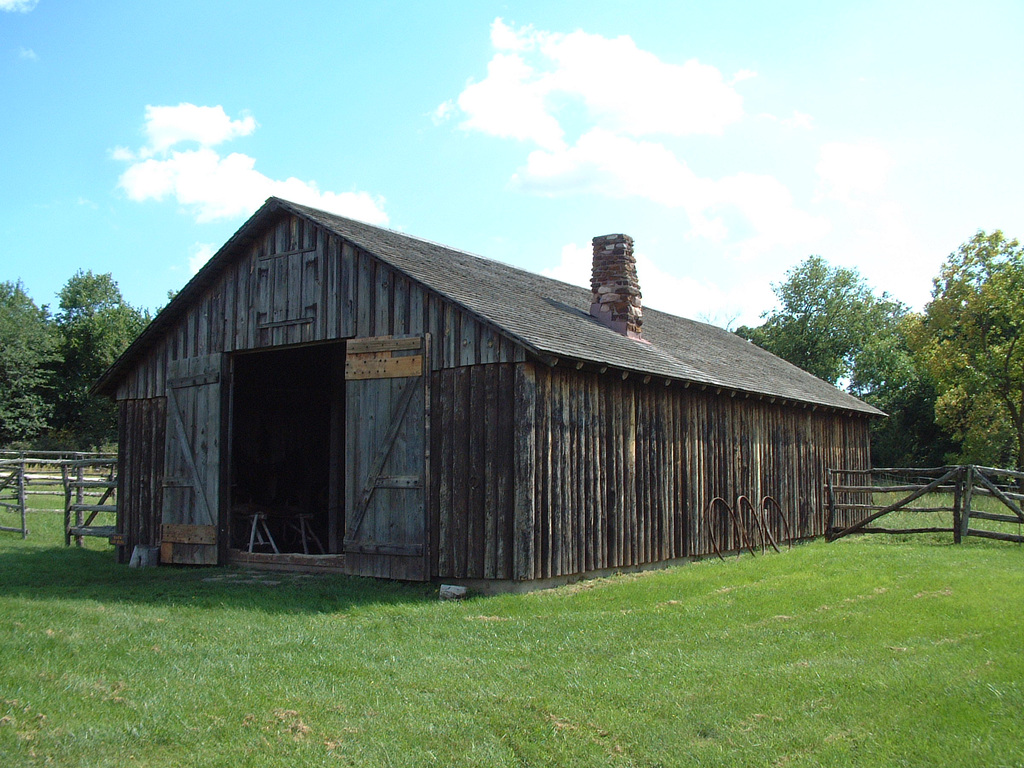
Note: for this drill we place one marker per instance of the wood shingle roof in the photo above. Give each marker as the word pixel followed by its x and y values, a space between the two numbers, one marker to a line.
pixel 551 319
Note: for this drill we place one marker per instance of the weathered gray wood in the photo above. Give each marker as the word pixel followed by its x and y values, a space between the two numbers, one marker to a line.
pixel 386 480
pixel 980 477
pixel 873 529
pixel 890 488
pixel 921 491
pixel 193 450
pixel 400 408
pixel 996 517
pixel 967 475
pixel 101 531
pixel 524 486
pixel 996 535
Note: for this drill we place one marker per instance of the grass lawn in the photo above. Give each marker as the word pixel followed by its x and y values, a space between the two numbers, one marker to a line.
pixel 871 651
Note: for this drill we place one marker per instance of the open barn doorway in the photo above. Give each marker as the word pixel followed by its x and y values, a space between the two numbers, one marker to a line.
pixel 287 443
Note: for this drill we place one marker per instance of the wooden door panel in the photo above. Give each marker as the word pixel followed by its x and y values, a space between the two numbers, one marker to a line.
pixel 386 457
pixel 191 495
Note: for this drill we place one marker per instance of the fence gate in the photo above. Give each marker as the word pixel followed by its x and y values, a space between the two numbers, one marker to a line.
pixel 191 499
pixel 986 481
pixel 386 451
pixel 853 504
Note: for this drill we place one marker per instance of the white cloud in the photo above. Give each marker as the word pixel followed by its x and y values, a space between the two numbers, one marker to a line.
pixel 443 112
pixel 799 120
pixel 631 90
pixel 535 75
pixel 207 126
pixel 213 186
pixel 509 104
pixel 28 54
pixel 618 167
pixel 200 253
pixel 123 154
pixel 848 171
pixel 21 6
pixel 505 38
pixel 768 206
pixel 573 267
pixel 618 99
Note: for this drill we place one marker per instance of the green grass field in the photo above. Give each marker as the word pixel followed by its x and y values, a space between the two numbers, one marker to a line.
pixel 871 651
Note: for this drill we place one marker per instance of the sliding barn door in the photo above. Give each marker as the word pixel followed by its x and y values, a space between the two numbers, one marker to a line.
pixel 190 515
pixel 386 449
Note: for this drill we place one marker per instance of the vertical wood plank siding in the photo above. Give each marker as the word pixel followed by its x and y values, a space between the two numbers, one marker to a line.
pixel 623 472
pixel 141 471
pixel 473 502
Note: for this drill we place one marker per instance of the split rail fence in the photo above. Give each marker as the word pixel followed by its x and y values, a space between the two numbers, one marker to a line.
pixel 868 495
pixel 86 483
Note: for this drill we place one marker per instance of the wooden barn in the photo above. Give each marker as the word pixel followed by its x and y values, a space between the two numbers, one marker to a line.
pixel 326 393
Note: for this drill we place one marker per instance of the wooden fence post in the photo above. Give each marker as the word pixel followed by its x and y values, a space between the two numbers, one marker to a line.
pixel 965 513
pixel 67 503
pixel 22 499
pixel 79 501
pixel 958 494
pixel 831 506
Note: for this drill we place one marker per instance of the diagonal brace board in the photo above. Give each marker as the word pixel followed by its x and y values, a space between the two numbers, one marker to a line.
pixel 382 454
pixel 190 462
pixel 923 490
pixel 980 476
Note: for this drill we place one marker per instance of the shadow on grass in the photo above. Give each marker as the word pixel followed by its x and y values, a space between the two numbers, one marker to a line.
pixel 48 573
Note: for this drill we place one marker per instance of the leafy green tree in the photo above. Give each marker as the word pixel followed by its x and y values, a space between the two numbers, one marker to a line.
pixel 95 325
pixel 27 353
pixel 974 344
pixel 891 375
pixel 825 319
pixel 832 324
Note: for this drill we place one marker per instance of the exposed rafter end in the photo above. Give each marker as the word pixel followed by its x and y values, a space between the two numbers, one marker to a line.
pixel 647 379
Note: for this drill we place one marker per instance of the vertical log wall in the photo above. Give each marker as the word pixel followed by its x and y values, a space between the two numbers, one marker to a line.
pixel 570 472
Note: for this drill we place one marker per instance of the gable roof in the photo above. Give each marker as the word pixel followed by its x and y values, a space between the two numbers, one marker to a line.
pixel 551 319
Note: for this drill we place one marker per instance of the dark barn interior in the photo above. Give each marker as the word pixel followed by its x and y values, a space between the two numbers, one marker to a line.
pixel 281 449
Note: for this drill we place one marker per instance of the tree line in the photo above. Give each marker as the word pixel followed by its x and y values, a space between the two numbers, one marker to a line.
pixel 49 361
pixel 951 377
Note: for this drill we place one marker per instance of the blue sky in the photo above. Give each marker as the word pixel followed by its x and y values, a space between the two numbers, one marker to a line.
pixel 731 139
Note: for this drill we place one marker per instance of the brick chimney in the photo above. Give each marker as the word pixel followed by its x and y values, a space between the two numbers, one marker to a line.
pixel 615 290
